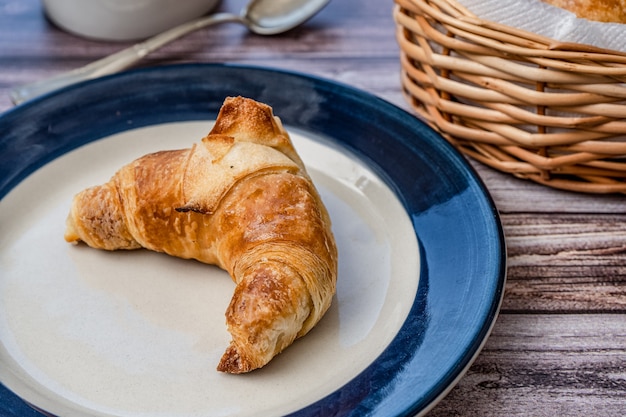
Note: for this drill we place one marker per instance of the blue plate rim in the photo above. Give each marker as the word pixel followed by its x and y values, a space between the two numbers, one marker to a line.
pixel 373 391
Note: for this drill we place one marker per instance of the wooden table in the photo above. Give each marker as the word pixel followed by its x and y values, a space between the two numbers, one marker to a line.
pixel 559 345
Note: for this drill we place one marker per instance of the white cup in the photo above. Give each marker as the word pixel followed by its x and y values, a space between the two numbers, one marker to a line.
pixel 122 20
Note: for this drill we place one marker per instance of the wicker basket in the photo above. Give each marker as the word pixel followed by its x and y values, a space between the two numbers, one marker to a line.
pixel 522 103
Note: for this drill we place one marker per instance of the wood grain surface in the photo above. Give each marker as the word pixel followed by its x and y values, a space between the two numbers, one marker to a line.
pixel 558 347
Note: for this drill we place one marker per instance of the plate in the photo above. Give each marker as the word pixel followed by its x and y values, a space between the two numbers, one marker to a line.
pixel 151 322
pixel 85 332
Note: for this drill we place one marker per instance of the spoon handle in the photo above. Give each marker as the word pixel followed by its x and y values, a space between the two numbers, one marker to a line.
pixel 117 61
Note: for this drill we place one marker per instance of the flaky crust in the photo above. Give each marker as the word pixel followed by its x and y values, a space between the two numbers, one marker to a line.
pixel 598 10
pixel 241 199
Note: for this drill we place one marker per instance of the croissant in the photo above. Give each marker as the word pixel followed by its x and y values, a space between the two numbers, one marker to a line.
pixel 240 199
pixel 598 10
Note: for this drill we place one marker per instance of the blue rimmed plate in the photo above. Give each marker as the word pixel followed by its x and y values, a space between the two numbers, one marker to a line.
pixel 84 332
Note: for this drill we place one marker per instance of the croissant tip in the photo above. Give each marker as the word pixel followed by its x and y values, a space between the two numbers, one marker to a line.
pixel 71 236
pixel 233 363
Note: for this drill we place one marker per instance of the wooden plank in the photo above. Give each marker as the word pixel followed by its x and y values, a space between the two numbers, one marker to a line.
pixel 546 365
pixel 515 195
pixel 570 262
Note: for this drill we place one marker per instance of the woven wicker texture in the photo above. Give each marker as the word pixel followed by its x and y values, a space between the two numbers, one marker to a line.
pixel 543 110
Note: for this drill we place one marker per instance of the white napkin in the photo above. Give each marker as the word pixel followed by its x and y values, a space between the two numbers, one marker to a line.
pixel 553 22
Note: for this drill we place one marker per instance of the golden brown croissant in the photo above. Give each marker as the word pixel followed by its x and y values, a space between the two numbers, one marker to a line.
pixel 598 10
pixel 241 199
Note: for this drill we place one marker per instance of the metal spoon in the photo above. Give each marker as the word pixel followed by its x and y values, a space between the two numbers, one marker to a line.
pixel 263 17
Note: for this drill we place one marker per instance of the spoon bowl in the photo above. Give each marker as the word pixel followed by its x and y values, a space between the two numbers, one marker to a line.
pixel 262 17
pixel 265 17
